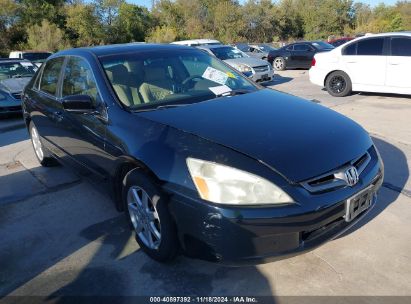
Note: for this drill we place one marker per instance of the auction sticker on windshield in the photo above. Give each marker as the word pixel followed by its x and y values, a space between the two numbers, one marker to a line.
pixel 215 75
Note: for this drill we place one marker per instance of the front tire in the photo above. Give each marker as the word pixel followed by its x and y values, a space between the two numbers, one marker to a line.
pixel 338 84
pixel 147 212
pixel 43 155
pixel 279 64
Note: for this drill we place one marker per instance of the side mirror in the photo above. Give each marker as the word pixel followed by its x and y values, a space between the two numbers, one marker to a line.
pixel 78 104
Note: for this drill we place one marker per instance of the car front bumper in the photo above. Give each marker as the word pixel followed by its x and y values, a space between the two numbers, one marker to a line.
pixel 247 235
pixel 260 77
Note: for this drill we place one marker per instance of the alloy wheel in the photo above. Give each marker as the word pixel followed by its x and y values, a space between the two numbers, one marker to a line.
pixel 144 217
pixel 337 84
pixel 278 63
pixel 38 148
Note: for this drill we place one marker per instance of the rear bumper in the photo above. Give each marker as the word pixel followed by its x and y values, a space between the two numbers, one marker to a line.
pixel 317 76
pixel 246 236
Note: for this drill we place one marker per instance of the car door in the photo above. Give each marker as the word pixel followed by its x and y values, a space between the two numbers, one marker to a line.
pixel 303 54
pixel 399 63
pixel 289 56
pixel 84 133
pixel 47 110
pixel 365 61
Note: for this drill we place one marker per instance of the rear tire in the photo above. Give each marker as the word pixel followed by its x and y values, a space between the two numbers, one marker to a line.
pixel 43 155
pixel 338 84
pixel 279 64
pixel 146 207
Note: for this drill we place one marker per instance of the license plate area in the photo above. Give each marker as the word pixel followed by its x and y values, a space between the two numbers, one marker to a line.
pixel 358 203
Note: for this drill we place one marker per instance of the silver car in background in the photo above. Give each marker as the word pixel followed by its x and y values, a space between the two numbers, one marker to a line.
pixel 255 69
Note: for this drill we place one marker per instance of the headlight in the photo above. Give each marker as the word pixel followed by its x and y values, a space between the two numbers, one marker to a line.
pixel 225 185
pixel 243 68
pixel 2 96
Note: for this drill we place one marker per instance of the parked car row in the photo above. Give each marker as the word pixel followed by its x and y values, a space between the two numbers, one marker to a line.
pixel 253 67
pixel 15 72
pixel 36 57
pixel 14 76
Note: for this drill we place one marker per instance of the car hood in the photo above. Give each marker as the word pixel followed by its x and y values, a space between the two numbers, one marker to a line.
pixel 252 62
pixel 297 138
pixel 14 85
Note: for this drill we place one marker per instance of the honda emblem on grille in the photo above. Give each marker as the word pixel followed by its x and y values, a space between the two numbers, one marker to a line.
pixel 351 176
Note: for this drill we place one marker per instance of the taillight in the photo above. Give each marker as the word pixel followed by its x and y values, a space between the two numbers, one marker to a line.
pixel 313 62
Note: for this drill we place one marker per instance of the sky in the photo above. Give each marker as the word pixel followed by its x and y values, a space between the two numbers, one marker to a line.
pixel 147 3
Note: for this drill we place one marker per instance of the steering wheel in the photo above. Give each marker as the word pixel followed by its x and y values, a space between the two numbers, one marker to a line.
pixel 190 78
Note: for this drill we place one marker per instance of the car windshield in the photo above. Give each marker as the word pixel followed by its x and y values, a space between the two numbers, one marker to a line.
pixel 227 52
pixel 322 45
pixel 157 79
pixel 266 48
pixel 243 47
pixel 16 69
pixel 36 56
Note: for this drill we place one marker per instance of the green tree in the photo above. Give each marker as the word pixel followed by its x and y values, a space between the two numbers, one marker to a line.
pixel 162 34
pixel 404 9
pixel 46 36
pixel 290 21
pixel 261 22
pixel 383 19
pixel 34 11
pixel 83 25
pixel 132 22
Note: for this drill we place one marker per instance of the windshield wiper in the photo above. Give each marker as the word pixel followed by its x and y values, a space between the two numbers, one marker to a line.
pixel 234 93
pixel 162 107
pixel 21 75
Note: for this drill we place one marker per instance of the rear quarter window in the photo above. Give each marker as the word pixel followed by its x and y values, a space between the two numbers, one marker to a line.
pixel 350 50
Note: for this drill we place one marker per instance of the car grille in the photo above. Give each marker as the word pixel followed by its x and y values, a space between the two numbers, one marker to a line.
pixel 16 96
pixel 262 68
pixel 335 179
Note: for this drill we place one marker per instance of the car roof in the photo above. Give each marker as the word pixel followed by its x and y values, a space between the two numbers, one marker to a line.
pixel 369 35
pixel 214 46
pixel 113 49
pixel 195 41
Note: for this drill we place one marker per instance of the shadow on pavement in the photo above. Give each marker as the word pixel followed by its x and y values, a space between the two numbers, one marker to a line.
pixel 13 136
pixel 278 79
pixel 396 170
pixel 137 275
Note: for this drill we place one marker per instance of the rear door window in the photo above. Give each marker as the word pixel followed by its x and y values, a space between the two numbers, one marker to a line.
pixel 50 76
pixel 301 47
pixel 370 47
pixel 400 46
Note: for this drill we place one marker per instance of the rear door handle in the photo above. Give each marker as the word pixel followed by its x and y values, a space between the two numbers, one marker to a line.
pixel 394 63
pixel 351 61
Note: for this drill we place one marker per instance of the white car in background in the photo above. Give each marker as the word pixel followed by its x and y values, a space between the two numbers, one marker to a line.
pixel 255 69
pixel 197 42
pixel 36 57
pixel 378 63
